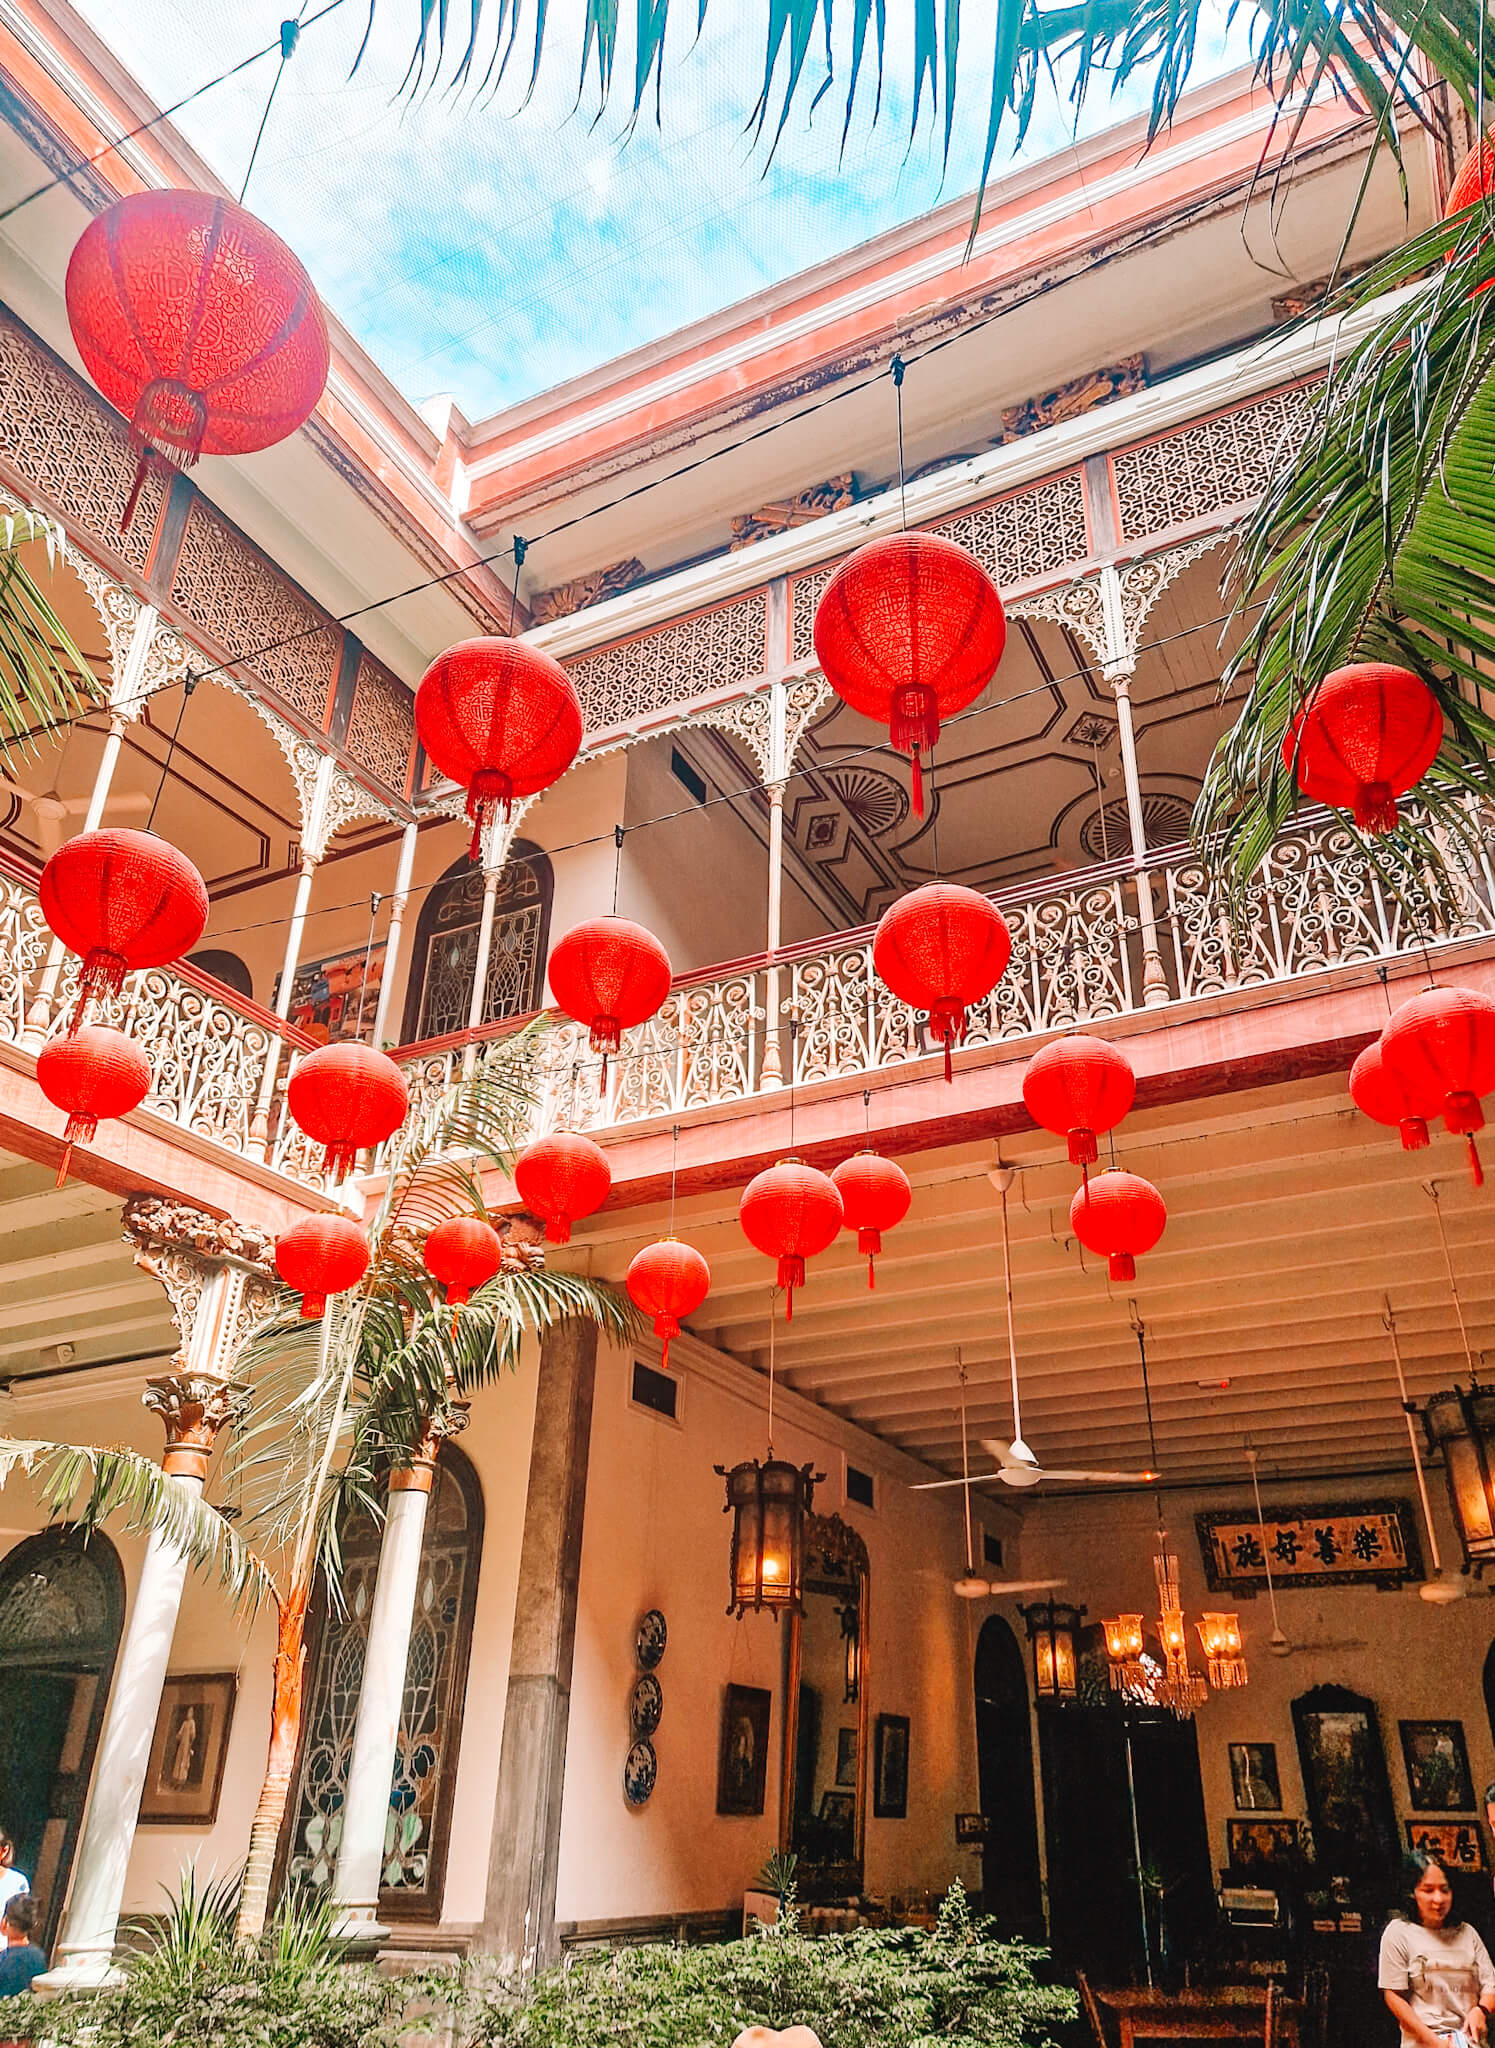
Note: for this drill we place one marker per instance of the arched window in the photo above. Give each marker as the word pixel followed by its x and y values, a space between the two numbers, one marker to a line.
pixel 225 967
pixel 445 954
pixel 425 1772
pixel 62 1605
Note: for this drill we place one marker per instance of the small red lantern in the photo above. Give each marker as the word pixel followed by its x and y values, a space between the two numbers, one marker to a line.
pixel 502 719
pixel 939 949
pixel 1440 1047
pixel 609 974
pixel 1118 1215
pixel 322 1255
pixel 791 1211
pixel 908 631
pixel 1367 735
pixel 562 1178
pixel 875 1195
pixel 91 1072
pixel 1474 179
pixel 668 1280
pixel 462 1253
pixel 1378 1094
pixel 123 900
pixel 1076 1087
pixel 347 1097
pixel 198 323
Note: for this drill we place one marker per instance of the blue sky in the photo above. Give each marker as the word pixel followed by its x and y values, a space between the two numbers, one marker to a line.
pixel 492 248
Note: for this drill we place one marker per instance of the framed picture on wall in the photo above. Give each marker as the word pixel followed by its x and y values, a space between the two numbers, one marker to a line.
pixel 1345 1783
pixel 1455 1843
pixel 184 1774
pixel 890 1767
pixel 1253 1773
pixel 1261 1848
pixel 1437 1763
pixel 846 1756
pixel 742 1763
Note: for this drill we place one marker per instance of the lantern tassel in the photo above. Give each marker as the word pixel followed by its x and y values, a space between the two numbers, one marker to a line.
pixel 1083 1150
pixel 917 785
pixel 665 1327
pixel 80 1130
pixel 791 1275
pixel 1375 808
pixel 558 1229
pixel 1476 1169
pixel 1414 1130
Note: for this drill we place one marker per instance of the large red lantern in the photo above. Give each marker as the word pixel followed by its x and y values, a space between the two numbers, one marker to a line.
pixel 502 719
pixel 322 1255
pixel 347 1097
pixel 1474 179
pixel 91 1072
pixel 875 1195
pixel 791 1211
pixel 562 1178
pixel 198 323
pixel 941 948
pixel 909 631
pixel 668 1280
pixel 609 974
pixel 123 900
pixel 1077 1087
pixel 1440 1047
pixel 1367 735
pixel 1118 1216
pixel 1378 1094
pixel 462 1253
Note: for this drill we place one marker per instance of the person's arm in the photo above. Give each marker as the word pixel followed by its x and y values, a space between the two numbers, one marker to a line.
pixel 1409 2023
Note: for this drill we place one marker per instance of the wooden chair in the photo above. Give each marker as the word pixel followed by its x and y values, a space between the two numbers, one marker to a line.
pixel 1092 2010
pixel 1269 2016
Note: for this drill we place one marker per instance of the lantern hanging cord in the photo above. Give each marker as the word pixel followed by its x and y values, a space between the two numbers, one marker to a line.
pixel 1017 1411
pixel 617 855
pixel 771 1314
pixel 520 550
pixel 290 35
pixel 1261 1530
pixel 375 900
pixel 674 1165
pixel 1453 1285
pixel 1152 1435
pixel 189 684
pixel 965 1465
pixel 896 370
pixel 1408 1410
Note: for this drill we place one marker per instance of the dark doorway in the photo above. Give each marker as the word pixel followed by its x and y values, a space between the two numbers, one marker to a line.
pixel 1097 1761
pixel 61 1610
pixel 1010 1887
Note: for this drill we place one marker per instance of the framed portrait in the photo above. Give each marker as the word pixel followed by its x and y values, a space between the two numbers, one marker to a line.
pixel 846 1756
pixel 742 1764
pixel 839 1809
pixel 184 1774
pixel 1455 1843
pixel 1261 1848
pixel 1437 1766
pixel 1345 1783
pixel 1253 1773
pixel 890 1767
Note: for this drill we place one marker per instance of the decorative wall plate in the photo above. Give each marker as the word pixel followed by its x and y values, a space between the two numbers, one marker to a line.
pixel 650 1641
pixel 639 1772
pixel 646 1704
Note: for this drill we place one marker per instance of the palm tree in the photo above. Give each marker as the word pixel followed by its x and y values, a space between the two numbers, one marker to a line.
pixel 44 681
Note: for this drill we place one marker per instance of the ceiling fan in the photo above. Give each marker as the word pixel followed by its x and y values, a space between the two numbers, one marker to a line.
pixel 52 811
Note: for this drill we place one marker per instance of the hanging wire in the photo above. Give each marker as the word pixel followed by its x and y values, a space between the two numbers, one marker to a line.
pixel 1279 1642
pixel 617 862
pixel 375 900
pixel 1017 1410
pixel 189 684
pixel 896 369
pixel 1431 1187
pixel 290 35
pixel 1408 1410
pixel 1152 1434
pixel 965 1465
pixel 519 549
pixel 674 1166
pixel 772 1292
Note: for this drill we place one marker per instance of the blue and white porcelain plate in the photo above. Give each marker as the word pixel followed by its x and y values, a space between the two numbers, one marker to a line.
pixel 646 1704
pixel 639 1773
pixel 649 1643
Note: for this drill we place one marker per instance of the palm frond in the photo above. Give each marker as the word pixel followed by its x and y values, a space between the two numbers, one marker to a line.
pixel 44 680
pixel 436 1166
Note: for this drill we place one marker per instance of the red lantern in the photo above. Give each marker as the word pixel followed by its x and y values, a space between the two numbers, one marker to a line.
pixel 1076 1087
pixel 939 949
pixel 91 1072
pixel 1120 1216
pixel 791 1212
pixel 609 974
pixel 198 323
pixel 1475 179
pixel 1378 1094
pixel 502 719
pixel 909 630
pixel 1440 1047
pixel 1367 735
pixel 123 900
pixel 668 1280
pixel 462 1253
pixel 347 1097
pixel 875 1195
pixel 322 1255
pixel 561 1178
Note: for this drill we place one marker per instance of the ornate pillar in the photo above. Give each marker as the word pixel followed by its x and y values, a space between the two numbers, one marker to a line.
pixel 1119 666
pixel 492 867
pixel 316 789
pixel 397 907
pixel 381 1695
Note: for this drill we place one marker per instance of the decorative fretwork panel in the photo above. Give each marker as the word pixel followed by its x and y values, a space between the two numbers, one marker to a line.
pixel 1210 466
pixel 672 664
pixel 72 449
pixel 381 727
pixel 804 598
pixel 227 588
pixel 451 956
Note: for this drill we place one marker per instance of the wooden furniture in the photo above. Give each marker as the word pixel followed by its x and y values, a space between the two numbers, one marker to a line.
pixel 1092 2010
pixel 1226 2012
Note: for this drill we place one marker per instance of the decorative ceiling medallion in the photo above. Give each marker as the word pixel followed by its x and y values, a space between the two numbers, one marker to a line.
pixel 1165 822
pixel 1091 730
pixel 877 802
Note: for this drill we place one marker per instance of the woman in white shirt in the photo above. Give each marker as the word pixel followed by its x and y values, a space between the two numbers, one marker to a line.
pixel 12 1882
pixel 1435 1972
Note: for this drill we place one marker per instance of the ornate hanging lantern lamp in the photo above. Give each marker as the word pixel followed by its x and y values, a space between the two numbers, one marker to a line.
pixel 1077 1087
pixel 1118 1216
pixel 1053 1637
pixel 609 974
pixel 908 631
pixel 1180 1688
pixel 123 900
pixel 668 1280
pixel 322 1255
pixel 91 1072
pixel 768 1503
pixel 1367 735
pixel 1123 1637
pixel 198 323
pixel 461 1254
pixel 1440 1048
pixel 875 1195
pixel 347 1097
pixel 502 719
pixel 791 1211
pixel 942 948
pixel 1220 1639
pixel 562 1178
pixel 1378 1094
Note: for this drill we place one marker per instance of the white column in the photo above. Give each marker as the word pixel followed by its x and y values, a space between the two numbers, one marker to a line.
pixel 193 1407
pixel 1119 668
pixel 397 906
pixel 491 872
pixel 772 1075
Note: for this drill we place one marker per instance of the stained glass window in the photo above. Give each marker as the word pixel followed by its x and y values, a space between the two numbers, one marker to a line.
pixel 447 950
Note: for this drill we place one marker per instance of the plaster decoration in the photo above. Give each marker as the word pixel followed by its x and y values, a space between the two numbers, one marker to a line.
pixel 671 664
pixel 157 1220
pixel 118 609
pixel 804 700
pixel 1077 606
pixel 193 1407
pixel 1301 300
pixel 1090 729
pixel 878 802
pixel 348 803
pixel 299 756
pixel 1071 400
pixel 24 944
pixel 381 725
pixel 1209 466
pixel 563 599
pixel 812 503
pixel 168 661
pixel 749 719
pixel 1165 821
pixel 1143 582
pixel 228 589
pixel 805 593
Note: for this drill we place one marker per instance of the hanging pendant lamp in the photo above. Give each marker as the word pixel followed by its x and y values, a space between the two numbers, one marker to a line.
pixel 942 948
pixel 1076 1088
pixel 198 323
pixel 562 1178
pixel 349 1098
pixel 501 719
pixel 668 1280
pixel 609 974
pixel 91 1072
pixel 1118 1216
pixel 123 900
pixel 791 1211
pixel 1440 1047
pixel 462 1254
pixel 1367 735
pixel 322 1255
pixel 1376 1093
pixel 875 1195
